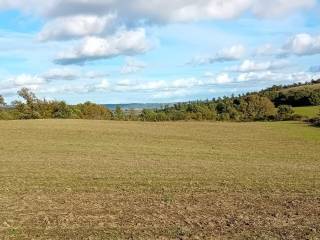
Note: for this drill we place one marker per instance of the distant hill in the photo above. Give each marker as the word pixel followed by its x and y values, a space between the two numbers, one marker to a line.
pixel 137 106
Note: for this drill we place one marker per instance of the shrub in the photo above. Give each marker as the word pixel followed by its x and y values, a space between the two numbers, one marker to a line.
pixel 285 112
pixel 315 98
pixel 93 111
pixel 61 110
pixel 6 115
pixel 317 122
pixel 118 114
pixel 148 115
pixel 256 107
pixel 2 102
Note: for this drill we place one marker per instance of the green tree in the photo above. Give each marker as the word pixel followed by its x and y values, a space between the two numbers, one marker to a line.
pixel 28 96
pixel 2 102
pixel 256 107
pixel 285 112
pixel 119 114
pixel 315 98
pixel 29 109
pixel 148 115
pixel 61 110
pixel 93 111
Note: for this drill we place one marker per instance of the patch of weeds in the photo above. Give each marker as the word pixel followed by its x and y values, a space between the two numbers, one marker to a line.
pixel 167 198
pixel 12 231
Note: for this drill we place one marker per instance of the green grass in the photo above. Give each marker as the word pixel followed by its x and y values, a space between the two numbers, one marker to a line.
pixel 186 180
pixel 310 112
pixel 298 88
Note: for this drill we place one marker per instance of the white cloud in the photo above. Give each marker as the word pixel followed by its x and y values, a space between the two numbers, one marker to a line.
pixel 70 27
pixel 103 85
pixel 275 8
pixel 132 66
pixel 159 85
pixel 302 44
pixel 94 20
pixel 169 94
pixel 253 66
pixel 275 78
pixel 158 88
pixel 122 43
pixel 154 85
pixel 185 83
pixel 222 78
pixel 71 74
pixel 26 80
pixel 230 54
pixel 126 83
pixel 159 11
pixel 61 74
pixel 12 84
pixel 265 50
pixel 95 75
pixel 233 53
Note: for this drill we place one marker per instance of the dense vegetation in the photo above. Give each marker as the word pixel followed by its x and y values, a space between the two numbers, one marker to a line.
pixel 34 108
pixel 275 103
pixel 296 95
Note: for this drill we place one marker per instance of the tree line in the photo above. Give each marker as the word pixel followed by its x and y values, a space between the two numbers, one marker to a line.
pixel 271 104
pixel 34 108
pixel 296 95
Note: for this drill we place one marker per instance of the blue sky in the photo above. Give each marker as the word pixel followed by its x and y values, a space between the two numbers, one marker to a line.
pixel 117 51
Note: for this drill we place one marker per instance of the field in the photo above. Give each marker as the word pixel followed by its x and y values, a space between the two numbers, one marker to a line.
pixel 68 179
pixel 299 88
pixel 310 112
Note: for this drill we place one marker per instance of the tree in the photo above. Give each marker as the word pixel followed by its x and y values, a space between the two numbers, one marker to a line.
pixel 256 107
pixel 2 102
pixel 29 109
pixel 27 95
pixel 4 115
pixel 148 115
pixel 60 110
pixel 93 111
pixel 119 114
pixel 132 115
pixel 315 98
pixel 285 112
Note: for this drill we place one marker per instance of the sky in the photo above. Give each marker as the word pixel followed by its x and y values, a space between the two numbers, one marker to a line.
pixel 119 51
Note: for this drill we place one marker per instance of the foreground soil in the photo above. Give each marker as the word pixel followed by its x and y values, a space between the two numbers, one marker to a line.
pixel 70 179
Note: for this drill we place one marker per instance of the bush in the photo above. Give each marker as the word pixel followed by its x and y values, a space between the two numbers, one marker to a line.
pixel 6 115
pixel 315 122
pixel 285 112
pixel 61 110
pixel 118 114
pixel 315 98
pixel 2 102
pixel 256 107
pixel 93 111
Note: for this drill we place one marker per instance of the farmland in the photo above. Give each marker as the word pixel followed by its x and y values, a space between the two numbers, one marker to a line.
pixel 77 179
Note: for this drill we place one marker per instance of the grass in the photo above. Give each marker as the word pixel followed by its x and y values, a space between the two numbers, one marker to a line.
pixel 298 88
pixel 188 180
pixel 311 112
